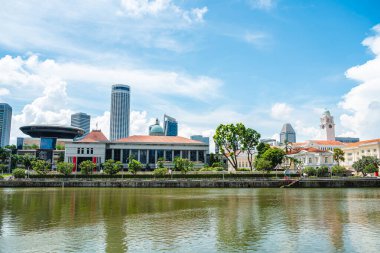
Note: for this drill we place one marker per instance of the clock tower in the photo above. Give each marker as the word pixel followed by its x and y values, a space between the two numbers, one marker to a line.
pixel 328 126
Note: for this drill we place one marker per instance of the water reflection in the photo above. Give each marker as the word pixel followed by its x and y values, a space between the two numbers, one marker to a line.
pixel 189 220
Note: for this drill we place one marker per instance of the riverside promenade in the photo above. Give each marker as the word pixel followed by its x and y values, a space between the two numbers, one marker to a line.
pixel 197 183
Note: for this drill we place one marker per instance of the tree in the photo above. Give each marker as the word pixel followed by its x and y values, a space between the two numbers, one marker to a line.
pixel 15 160
pixel 111 167
pixel 61 157
pixel 338 170
pixel 262 164
pixel 87 167
pixel 19 173
pixel 65 168
pixel 160 163
pixel 229 138
pixel 183 165
pixel 4 154
pixel 338 155
pixel 360 165
pixel 134 165
pixel 41 167
pixel 27 161
pixel 370 168
pixel 310 171
pixel 261 148
pixel 274 155
pixel 322 171
pixel 249 141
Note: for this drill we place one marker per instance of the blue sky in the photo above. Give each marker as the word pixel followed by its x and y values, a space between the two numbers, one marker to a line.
pixel 260 62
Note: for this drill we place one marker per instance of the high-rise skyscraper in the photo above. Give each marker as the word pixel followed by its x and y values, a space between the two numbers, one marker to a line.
pixel 120 111
pixel 328 126
pixel 5 124
pixel 287 134
pixel 81 120
pixel 170 126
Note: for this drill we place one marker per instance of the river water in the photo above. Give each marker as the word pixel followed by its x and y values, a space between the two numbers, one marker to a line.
pixel 189 220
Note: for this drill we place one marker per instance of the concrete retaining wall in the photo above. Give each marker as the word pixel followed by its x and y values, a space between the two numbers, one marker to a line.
pixel 270 183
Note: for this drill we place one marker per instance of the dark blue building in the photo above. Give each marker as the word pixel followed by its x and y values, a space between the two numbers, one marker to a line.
pixel 170 126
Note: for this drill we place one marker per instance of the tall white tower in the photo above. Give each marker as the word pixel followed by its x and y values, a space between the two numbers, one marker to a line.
pixel 328 126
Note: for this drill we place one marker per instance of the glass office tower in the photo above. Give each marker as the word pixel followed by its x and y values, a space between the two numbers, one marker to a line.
pixel 81 120
pixel 170 126
pixel 5 124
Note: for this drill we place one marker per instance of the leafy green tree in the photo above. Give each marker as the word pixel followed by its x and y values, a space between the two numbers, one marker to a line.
pixel 183 165
pixel 3 167
pixel 41 167
pixel 370 168
pixel 249 141
pixel 111 167
pixel 310 171
pixel 274 156
pixel 160 163
pixel 338 170
pixel 134 165
pixel 229 139
pixel 12 148
pixel 65 168
pixel 61 157
pixel 338 155
pixel 15 160
pixel 19 173
pixel 322 171
pixel 27 161
pixel 360 165
pixel 160 171
pixel 261 148
pixel 262 164
pixel 4 154
pixel 86 167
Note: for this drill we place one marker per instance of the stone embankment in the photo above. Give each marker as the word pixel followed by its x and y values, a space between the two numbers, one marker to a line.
pixel 193 183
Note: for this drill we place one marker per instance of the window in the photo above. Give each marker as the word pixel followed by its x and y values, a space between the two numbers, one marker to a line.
pixel 88 151
pixel 78 150
pixel 116 154
pixel 168 155
pixel 362 151
pixel 152 156
pixel 326 159
pixel 143 154
pixel 374 150
pixel 201 156
pixel 185 154
pixel 160 154
pixel 310 160
pixel 92 151
pixel 349 154
pixel 108 154
pixel 177 153
pixel 125 158
pixel 82 150
pixel 135 154
pixel 193 155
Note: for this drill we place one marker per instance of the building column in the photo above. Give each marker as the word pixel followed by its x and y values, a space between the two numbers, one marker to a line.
pixel 138 155
pixel 197 156
pixel 112 154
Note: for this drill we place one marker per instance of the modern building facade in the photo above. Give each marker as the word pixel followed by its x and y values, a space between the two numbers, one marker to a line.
pixel 5 124
pixel 328 126
pixel 81 120
pixel 146 149
pixel 201 139
pixel 120 111
pixel 287 134
pixel 347 139
pixel 170 126
pixel 271 142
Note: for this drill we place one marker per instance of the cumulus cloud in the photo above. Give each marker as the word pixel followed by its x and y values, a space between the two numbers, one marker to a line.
pixel 262 4
pixel 4 91
pixel 281 111
pixel 362 103
pixel 143 8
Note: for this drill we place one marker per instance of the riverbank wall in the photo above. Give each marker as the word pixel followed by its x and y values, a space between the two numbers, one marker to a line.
pixel 192 183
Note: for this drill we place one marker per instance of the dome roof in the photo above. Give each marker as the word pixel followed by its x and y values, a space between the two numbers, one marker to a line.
pixel 156 129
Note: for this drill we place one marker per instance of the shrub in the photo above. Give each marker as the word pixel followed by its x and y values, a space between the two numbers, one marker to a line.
pixel 208 169
pixel 243 169
pixel 217 164
pixel 160 171
pixel 160 163
pixel 310 171
pixel 370 168
pixel 19 173
pixel 183 165
pixel 65 168
pixel 134 166
pixel 111 167
pixel 323 171
pixel 40 166
pixel 87 167
pixel 337 170
pixel 3 167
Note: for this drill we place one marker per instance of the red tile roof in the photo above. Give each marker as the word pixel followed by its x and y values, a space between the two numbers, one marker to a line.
pixel 94 136
pixel 356 144
pixel 297 150
pixel 328 143
pixel 158 139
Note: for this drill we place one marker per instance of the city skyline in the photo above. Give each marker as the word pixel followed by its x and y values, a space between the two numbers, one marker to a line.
pixel 215 64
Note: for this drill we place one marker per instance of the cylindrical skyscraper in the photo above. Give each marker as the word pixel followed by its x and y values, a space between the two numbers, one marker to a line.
pixel 120 111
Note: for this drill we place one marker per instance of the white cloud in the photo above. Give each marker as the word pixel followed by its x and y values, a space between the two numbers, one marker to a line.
pixel 262 4
pixel 4 92
pixel 281 111
pixel 312 132
pixel 166 8
pixel 258 39
pixel 362 103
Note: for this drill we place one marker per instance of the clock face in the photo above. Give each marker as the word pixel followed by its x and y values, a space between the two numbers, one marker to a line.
pixel 330 126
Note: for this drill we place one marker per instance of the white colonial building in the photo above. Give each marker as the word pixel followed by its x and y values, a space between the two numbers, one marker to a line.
pixel 355 151
pixel 146 149
pixel 312 157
